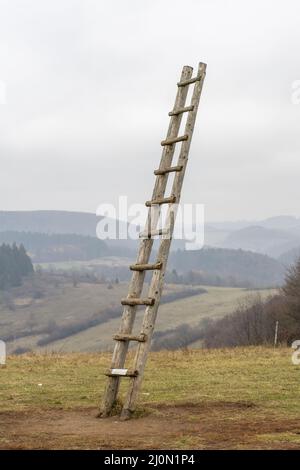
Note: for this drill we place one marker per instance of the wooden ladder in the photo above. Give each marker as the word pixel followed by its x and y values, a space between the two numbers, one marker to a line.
pixel 151 302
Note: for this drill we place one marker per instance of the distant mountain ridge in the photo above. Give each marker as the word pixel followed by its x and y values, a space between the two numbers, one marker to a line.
pixel 273 236
pixel 59 222
pixel 272 242
pixel 49 222
pixel 47 248
pixel 280 222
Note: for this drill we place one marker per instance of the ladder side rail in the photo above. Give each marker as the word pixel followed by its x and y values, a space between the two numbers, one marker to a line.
pixel 189 130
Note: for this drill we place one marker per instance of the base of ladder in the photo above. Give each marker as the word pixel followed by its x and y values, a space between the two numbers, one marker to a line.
pixel 126 415
pixel 105 414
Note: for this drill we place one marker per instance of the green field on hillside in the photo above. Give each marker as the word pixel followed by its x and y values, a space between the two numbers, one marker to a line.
pixel 43 300
pixel 217 302
pixel 52 304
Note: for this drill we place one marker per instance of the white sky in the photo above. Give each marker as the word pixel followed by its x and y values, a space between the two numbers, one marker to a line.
pixel 89 84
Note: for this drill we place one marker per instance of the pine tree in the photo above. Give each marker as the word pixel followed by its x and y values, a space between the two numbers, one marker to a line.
pixel 14 265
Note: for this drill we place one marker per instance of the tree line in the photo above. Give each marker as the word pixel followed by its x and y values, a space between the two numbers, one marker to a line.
pixel 14 265
pixel 46 248
pixel 196 278
pixel 253 322
pixel 227 267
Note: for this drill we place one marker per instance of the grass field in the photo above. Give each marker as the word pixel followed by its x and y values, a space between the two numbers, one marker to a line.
pixel 65 305
pixel 207 399
pixel 78 265
pixel 217 302
pixel 62 303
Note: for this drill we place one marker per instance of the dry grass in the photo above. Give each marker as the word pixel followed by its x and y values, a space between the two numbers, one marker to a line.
pixel 227 398
pixel 217 302
pixel 65 305
pixel 261 375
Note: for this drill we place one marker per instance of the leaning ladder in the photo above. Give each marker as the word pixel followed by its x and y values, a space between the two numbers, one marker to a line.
pixel 142 265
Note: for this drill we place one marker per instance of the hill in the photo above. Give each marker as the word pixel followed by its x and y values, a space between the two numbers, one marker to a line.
pixel 80 223
pixel 59 222
pixel 271 236
pixel 281 222
pixel 47 248
pixel 241 266
pixel 242 398
pixel 261 240
pixel 290 256
pixel 54 311
pixel 214 303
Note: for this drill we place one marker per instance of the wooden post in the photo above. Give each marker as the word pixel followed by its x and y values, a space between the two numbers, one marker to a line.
pixel 276 334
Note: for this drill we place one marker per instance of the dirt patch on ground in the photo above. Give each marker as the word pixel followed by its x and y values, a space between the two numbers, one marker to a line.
pixel 215 425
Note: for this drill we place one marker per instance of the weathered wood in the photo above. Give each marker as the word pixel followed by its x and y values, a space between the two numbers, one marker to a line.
pixel 160 201
pixel 180 110
pixel 136 301
pixel 190 81
pixel 123 337
pixel 137 280
pixel 121 373
pixel 145 267
pixel 174 140
pixel 154 233
pixel 171 169
pixel 156 285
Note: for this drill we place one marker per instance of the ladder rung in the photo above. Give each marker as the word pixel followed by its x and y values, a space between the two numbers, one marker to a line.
pixel 124 337
pixel 145 267
pixel 190 81
pixel 177 111
pixel 133 301
pixel 164 200
pixel 168 170
pixel 174 140
pixel 121 373
pixel 154 233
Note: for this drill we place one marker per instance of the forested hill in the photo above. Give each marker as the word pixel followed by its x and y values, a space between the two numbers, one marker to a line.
pixel 14 265
pixel 257 269
pixel 64 222
pixel 45 248
pixel 49 222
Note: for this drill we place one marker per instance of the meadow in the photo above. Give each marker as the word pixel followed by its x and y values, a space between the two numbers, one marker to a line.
pixel 238 398
pixel 48 302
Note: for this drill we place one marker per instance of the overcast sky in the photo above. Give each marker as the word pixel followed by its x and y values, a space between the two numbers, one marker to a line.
pixel 89 84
